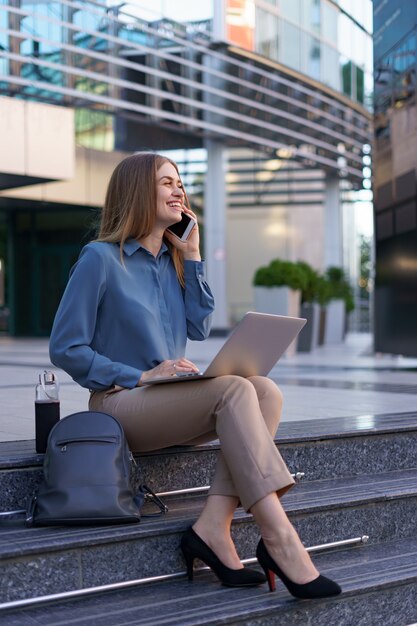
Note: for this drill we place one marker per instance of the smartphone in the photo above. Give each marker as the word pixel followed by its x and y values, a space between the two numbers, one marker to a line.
pixel 183 229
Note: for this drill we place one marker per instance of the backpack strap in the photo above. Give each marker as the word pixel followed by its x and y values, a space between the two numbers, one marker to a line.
pixel 148 495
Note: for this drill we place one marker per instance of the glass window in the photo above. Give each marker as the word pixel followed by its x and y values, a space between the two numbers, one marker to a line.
pixel 54 11
pixel 187 10
pixel 290 52
pixel 369 55
pixel 357 10
pixel 290 10
pixel 368 15
pixel 346 76
pixel 330 66
pixel 87 22
pixel 360 85
pixel 369 87
pixel 411 48
pixel 346 5
pixel 240 22
pixel 310 64
pixel 360 10
pixel 37 24
pixel 399 59
pixel 358 44
pixel 329 22
pixel 3 25
pixel 266 34
pixel 344 35
pixel 94 129
pixel 129 12
pixel 310 16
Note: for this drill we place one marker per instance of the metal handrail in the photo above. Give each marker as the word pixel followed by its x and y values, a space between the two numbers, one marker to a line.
pixel 162 494
pixel 89 591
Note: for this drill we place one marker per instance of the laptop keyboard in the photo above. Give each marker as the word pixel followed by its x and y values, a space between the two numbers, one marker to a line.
pixel 186 374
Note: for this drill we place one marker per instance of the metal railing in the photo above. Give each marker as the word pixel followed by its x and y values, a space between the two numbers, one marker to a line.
pixel 91 591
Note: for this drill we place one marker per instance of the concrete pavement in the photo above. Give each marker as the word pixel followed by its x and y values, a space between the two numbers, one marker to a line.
pixel 333 381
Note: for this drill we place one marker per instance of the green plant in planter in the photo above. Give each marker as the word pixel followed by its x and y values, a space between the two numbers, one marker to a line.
pixel 323 291
pixel 280 273
pixel 264 277
pixel 309 292
pixel 339 287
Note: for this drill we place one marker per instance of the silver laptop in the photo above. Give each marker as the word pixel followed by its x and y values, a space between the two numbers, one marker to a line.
pixel 252 349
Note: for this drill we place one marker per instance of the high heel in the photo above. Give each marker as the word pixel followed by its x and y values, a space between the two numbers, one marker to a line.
pixel 320 587
pixel 193 547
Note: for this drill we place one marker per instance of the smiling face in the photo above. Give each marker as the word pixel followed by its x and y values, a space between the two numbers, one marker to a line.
pixel 169 194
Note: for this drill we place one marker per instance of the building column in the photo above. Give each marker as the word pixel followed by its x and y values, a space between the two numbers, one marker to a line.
pixel 333 235
pixel 215 201
pixel 215 229
pixel 219 20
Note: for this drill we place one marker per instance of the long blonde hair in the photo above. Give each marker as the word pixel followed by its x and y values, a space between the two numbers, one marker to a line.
pixel 130 205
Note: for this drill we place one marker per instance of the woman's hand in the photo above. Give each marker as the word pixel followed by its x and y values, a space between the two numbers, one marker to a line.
pixel 168 368
pixel 191 247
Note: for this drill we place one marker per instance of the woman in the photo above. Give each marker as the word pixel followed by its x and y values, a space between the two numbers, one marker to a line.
pixel 133 298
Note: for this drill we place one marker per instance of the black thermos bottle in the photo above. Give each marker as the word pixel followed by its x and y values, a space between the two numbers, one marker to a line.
pixel 46 408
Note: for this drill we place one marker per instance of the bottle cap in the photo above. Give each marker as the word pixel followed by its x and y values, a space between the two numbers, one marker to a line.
pixel 48 377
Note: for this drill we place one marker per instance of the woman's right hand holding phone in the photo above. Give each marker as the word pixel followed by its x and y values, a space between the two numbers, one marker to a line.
pixel 191 247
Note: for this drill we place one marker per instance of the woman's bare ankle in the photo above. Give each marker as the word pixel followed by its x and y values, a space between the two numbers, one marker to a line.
pixel 221 543
pixel 291 556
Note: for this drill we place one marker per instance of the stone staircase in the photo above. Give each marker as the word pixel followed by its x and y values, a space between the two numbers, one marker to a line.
pixel 360 480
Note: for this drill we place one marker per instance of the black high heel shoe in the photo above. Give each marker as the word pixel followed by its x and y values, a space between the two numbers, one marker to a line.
pixel 320 587
pixel 193 547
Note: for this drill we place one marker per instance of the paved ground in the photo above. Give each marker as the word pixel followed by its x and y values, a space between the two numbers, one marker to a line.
pixel 334 381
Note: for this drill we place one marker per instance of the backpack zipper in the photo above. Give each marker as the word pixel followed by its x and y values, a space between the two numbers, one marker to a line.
pixel 65 442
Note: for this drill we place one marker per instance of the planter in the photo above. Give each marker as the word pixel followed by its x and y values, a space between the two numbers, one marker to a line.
pixel 335 322
pixel 322 324
pixel 279 301
pixel 308 338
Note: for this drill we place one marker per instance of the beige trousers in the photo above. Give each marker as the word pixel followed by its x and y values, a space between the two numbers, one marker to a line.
pixel 242 413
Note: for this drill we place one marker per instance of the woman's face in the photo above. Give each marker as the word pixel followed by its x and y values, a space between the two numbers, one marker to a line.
pixel 170 196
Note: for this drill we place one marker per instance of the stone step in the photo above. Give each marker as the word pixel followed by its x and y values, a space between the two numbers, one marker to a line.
pixel 320 448
pixel 378 588
pixel 39 561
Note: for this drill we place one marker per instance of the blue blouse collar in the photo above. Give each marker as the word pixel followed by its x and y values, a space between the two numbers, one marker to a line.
pixel 131 245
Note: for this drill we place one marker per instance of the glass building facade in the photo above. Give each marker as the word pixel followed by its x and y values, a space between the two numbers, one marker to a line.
pixel 282 86
pixel 326 40
pixel 395 176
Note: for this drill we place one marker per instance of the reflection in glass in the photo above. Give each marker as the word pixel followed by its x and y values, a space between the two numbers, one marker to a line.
pixel 3 26
pixel 346 73
pixel 154 10
pixel 311 15
pixel 360 85
pixel 313 68
pixel 330 74
pixel 358 44
pixel 290 53
pixel 344 39
pixel 266 34
pixel 291 10
pixel 329 22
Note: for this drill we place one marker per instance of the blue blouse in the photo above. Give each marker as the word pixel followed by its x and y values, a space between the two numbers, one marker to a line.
pixel 116 321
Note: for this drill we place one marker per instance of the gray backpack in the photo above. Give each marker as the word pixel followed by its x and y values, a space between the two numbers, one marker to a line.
pixel 87 475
